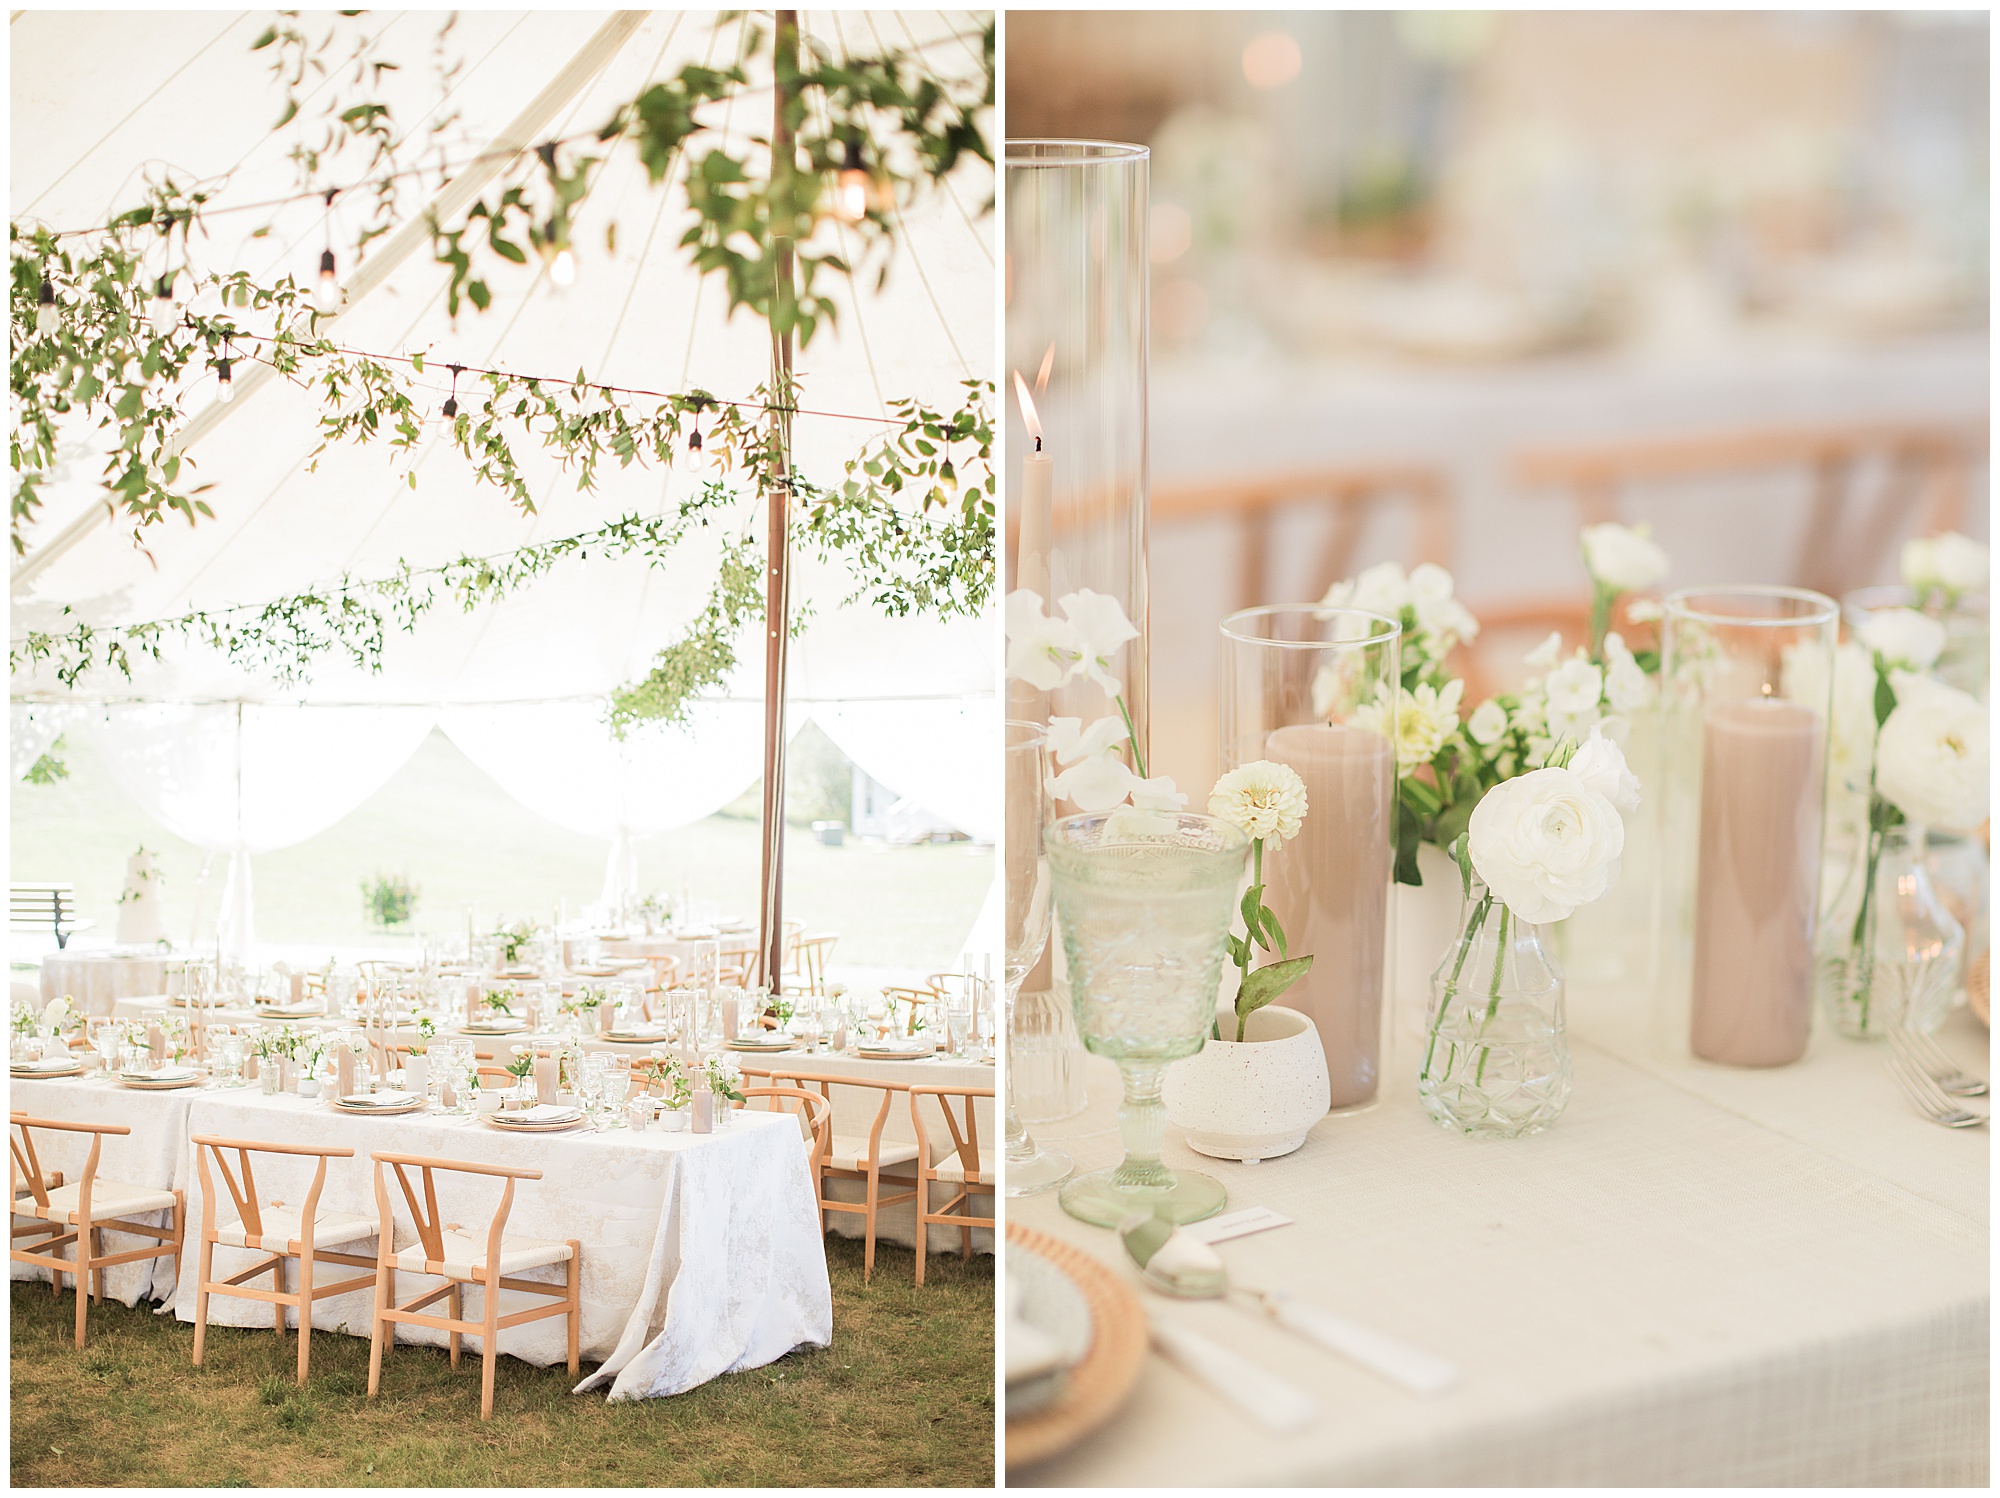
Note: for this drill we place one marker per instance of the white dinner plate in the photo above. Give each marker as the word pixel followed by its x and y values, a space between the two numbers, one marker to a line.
pixel 494 1027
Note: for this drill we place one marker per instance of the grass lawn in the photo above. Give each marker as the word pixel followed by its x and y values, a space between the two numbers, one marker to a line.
pixel 903 1397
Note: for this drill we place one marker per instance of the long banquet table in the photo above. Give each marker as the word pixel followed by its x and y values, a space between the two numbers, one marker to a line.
pixel 1697 1276
pixel 853 1108
pixel 701 1253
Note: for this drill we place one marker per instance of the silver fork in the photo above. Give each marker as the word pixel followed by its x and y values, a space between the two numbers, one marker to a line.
pixel 1930 1057
pixel 1926 1096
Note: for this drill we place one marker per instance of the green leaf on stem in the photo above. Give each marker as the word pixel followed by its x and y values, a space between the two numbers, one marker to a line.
pixel 1265 985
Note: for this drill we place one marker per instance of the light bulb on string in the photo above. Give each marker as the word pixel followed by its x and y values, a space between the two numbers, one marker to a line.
pixel 326 294
pixel 166 313
pixel 851 191
pixel 46 316
pixel 562 269
pixel 225 387
pixel 451 401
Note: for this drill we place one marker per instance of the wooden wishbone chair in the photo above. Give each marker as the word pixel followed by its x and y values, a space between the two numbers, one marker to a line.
pixel 962 1169
pixel 855 1157
pixel 463 1259
pixel 306 1234
pixel 79 1213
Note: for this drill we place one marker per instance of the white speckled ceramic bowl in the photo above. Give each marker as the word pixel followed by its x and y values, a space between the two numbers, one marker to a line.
pixel 1253 1099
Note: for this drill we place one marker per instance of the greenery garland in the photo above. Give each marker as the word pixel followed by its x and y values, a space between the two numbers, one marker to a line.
pixel 107 363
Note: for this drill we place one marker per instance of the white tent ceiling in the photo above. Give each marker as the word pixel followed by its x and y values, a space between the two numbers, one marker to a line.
pixel 98 99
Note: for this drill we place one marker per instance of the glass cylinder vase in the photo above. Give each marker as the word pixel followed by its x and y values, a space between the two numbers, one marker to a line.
pixel 1315 689
pixel 1076 289
pixel 1890 951
pixel 1145 914
pixel 1496 1047
pixel 1745 685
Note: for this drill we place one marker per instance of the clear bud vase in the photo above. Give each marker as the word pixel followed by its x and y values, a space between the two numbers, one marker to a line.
pixel 1495 1062
pixel 1889 949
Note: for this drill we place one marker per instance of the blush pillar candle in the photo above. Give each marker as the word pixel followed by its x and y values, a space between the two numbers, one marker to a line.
pixel 1757 876
pixel 545 1079
pixel 1330 889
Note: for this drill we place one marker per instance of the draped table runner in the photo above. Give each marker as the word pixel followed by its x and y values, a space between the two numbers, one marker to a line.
pixel 701 1253
pixel 1697 1276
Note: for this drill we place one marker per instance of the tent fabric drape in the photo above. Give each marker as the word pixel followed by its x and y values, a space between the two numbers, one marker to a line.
pixel 943 754
pixel 245 778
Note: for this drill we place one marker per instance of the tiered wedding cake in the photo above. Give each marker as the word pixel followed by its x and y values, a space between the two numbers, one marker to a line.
pixel 141 917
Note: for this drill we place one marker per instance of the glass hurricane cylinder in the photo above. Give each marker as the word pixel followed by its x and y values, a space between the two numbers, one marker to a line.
pixel 1315 689
pixel 1076 286
pixel 1029 1167
pixel 1145 914
pixel 1745 686
pixel 1496 1049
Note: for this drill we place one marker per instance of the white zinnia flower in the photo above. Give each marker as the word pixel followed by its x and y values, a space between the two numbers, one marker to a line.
pixel 1487 723
pixel 1951 562
pixel 1041 651
pixel 1264 798
pixel 1903 637
pixel 1600 764
pixel 1546 844
pixel 1102 630
pixel 1574 689
pixel 1931 759
pixel 1623 558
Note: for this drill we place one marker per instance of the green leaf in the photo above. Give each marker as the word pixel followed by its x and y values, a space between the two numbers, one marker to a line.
pixel 1277 932
pixel 1885 695
pixel 1267 983
pixel 1409 833
pixel 1253 901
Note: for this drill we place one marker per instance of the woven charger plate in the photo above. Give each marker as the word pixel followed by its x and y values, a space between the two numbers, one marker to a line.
pixel 1099 1382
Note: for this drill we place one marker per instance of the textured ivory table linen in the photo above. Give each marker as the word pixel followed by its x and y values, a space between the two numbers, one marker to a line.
pixel 98 980
pixel 1697 1276
pixel 701 1253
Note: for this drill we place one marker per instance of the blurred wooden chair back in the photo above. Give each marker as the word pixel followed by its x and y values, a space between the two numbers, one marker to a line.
pixel 1351 495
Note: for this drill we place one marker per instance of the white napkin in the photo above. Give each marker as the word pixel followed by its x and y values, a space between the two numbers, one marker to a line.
pixel 540 1113
pixel 379 1099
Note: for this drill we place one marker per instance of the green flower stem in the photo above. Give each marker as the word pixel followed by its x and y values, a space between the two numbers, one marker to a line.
pixel 1243 962
pixel 1132 737
pixel 1601 599
pixel 1472 930
pixel 1493 993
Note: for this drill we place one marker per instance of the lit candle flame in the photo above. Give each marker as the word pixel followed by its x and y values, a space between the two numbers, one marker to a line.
pixel 1028 413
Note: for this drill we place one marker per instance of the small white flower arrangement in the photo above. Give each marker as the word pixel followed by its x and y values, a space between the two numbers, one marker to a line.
pixel 60 1017
pixel 1267 801
pixel 426 1032
pixel 723 1077
pixel 1943 569
pixel 676 1082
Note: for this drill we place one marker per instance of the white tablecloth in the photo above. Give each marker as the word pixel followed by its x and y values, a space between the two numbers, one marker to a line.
pixel 1697 1276
pixel 701 1253
pixel 97 980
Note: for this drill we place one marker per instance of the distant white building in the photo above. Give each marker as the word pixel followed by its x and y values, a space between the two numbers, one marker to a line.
pixel 877 811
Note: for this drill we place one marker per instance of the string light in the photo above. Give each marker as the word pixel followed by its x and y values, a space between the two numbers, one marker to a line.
pixel 562 269
pixel 451 401
pixel 326 296
pixel 166 314
pixel 852 191
pixel 45 308
pixel 225 387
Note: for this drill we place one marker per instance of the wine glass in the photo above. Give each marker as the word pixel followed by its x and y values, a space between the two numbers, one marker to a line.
pixel 1145 919
pixel 1030 1167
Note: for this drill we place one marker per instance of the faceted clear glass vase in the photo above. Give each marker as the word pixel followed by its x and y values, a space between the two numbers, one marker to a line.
pixel 1890 952
pixel 1495 1060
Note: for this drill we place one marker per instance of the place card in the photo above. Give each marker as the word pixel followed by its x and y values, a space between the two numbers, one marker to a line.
pixel 1236 1224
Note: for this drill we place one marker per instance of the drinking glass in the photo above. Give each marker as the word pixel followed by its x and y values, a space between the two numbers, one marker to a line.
pixel 1030 1167
pixel 228 1069
pixel 1145 917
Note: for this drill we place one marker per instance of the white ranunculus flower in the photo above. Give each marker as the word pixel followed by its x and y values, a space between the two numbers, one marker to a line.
pixel 1264 798
pixel 1903 637
pixel 1487 723
pixel 1546 844
pixel 1545 655
pixel 1951 562
pixel 1425 718
pixel 1041 651
pixel 1623 558
pixel 1101 632
pixel 1600 764
pixel 1931 759
pixel 1574 688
